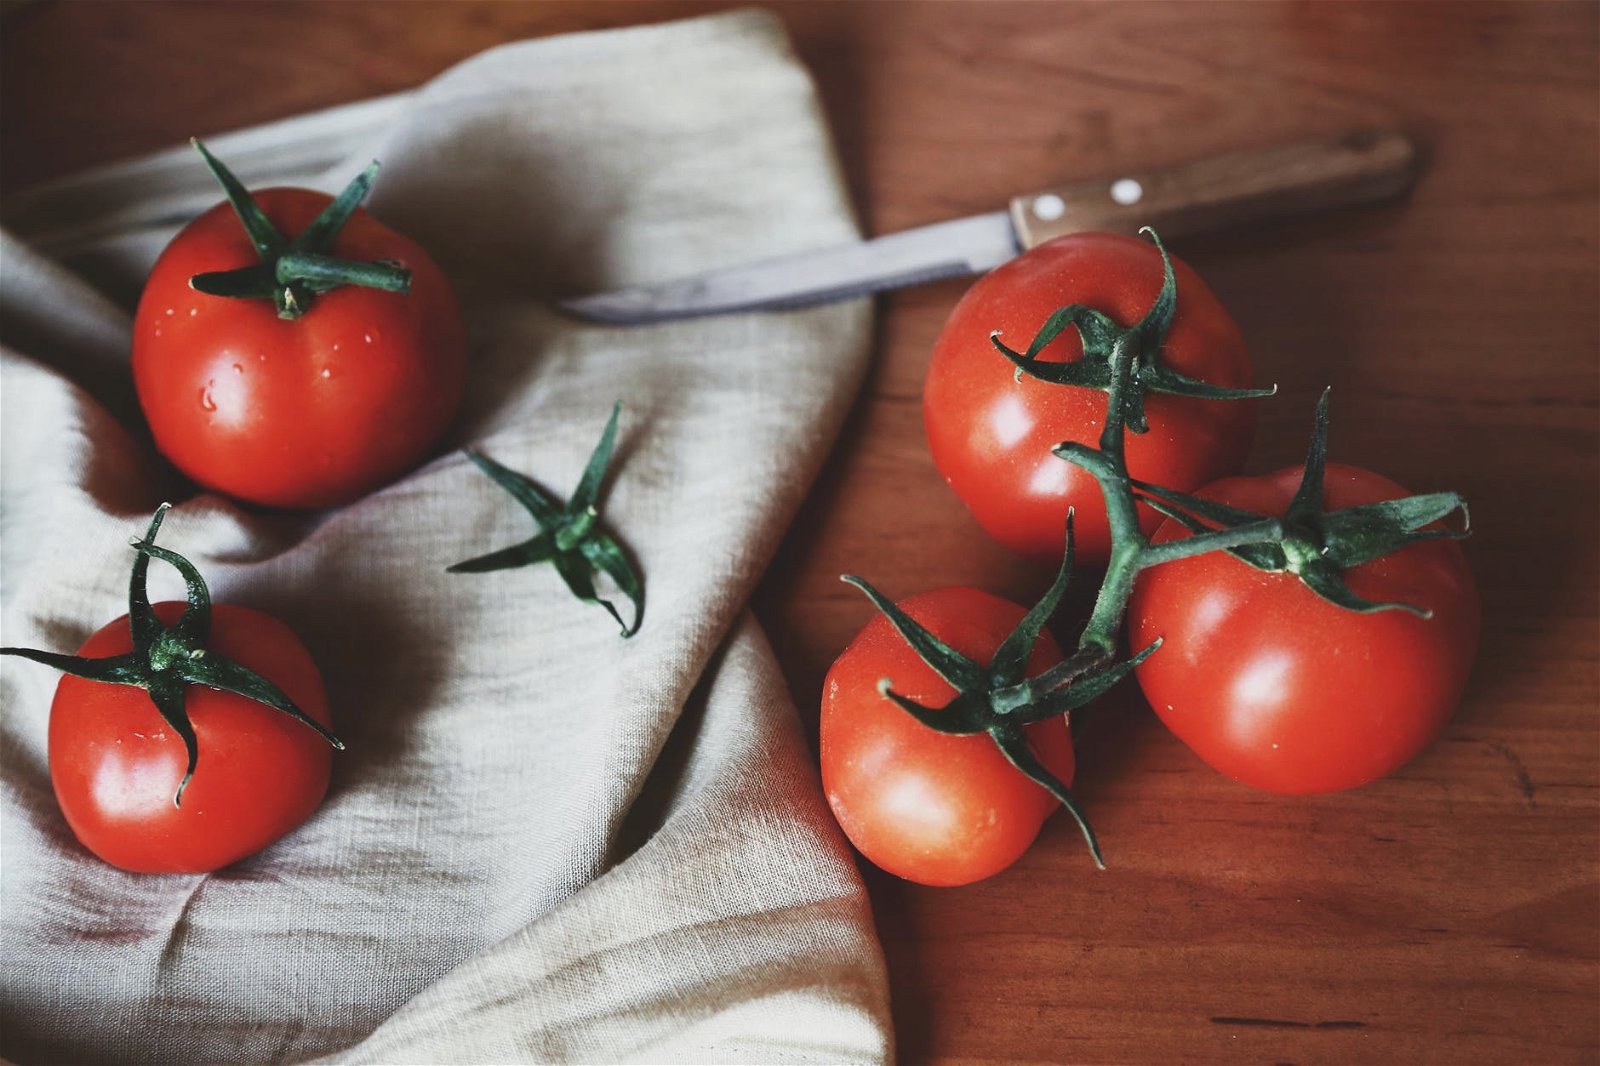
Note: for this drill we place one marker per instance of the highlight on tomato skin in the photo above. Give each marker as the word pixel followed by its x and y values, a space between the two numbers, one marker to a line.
pixel 991 435
pixel 1283 691
pixel 929 807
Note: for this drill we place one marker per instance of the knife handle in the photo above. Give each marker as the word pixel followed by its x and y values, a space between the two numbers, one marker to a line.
pixel 1226 190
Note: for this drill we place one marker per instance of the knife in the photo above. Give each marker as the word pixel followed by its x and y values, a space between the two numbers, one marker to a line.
pixel 1209 194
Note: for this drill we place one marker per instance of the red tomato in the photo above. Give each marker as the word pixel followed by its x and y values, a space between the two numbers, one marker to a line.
pixel 1280 689
pixel 991 435
pixel 116 764
pixel 931 807
pixel 305 413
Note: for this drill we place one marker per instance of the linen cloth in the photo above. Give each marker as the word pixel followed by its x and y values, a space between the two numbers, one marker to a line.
pixel 545 842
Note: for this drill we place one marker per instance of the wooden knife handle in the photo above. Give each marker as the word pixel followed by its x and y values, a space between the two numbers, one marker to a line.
pixel 1227 190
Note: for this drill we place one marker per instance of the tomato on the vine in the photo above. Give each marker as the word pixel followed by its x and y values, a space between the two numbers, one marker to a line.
pixel 1280 689
pixel 931 807
pixel 307 405
pixel 991 434
pixel 116 765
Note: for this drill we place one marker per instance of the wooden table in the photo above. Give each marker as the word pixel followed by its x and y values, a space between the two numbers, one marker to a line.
pixel 1449 914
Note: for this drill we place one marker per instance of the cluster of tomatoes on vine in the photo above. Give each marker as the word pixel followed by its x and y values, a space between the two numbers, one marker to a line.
pixel 289 351
pixel 1304 631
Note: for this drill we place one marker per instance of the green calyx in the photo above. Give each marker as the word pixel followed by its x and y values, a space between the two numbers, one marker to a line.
pixel 1106 344
pixel 292 272
pixel 998 699
pixel 569 537
pixel 165 660
pixel 1317 545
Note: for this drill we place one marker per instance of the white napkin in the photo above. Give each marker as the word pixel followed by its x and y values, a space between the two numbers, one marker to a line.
pixel 545 842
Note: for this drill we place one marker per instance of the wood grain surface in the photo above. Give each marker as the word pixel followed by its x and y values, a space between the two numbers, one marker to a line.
pixel 1448 914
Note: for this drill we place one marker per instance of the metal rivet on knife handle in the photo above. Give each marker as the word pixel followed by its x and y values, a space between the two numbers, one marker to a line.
pixel 1228 190
pixel 1127 191
pixel 1048 207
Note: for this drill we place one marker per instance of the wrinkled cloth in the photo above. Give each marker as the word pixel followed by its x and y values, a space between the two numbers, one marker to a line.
pixel 544 842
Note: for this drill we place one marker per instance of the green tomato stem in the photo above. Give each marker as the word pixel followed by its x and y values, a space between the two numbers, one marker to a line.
pixel 321 272
pixel 1267 529
pixel 291 273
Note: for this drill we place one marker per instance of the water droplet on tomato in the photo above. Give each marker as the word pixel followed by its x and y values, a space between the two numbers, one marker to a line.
pixel 171 311
pixel 193 311
pixel 205 396
pixel 237 369
pixel 327 372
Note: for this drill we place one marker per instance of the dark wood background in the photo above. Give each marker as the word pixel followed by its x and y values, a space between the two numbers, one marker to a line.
pixel 1448 914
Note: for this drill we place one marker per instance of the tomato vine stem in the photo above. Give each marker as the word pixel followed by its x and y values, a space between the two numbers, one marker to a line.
pixel 1312 544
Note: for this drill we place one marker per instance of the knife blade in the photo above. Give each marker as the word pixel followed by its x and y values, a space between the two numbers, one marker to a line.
pixel 1208 194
